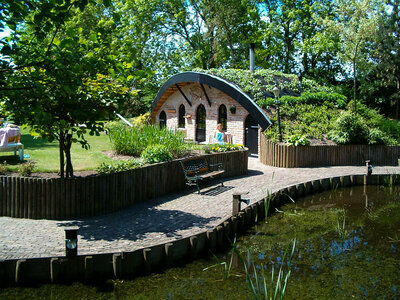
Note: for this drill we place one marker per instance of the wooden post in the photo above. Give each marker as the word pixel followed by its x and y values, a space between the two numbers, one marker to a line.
pixel 237 198
pixel 236 204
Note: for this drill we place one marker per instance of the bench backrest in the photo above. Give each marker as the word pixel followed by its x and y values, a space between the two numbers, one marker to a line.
pixel 194 164
pixel 14 139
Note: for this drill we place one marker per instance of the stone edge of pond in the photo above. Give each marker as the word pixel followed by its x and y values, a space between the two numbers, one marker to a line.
pixel 87 268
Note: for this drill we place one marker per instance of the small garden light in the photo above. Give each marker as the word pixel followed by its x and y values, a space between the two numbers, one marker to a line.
pixel 71 241
pixel 370 167
pixel 276 93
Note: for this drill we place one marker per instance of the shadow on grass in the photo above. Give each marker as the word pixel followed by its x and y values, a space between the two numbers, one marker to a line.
pixel 12 160
pixel 31 143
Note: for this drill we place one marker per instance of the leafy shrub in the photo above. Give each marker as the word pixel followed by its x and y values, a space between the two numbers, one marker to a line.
pixel 378 137
pixel 350 128
pixel 297 140
pixel 156 153
pixel 389 129
pixel 3 168
pixel 26 169
pixel 337 100
pixel 223 147
pixel 308 120
pixel 118 167
pixel 141 120
pixel 132 140
pixel 112 125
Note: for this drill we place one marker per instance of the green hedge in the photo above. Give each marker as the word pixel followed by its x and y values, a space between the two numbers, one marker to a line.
pixel 336 99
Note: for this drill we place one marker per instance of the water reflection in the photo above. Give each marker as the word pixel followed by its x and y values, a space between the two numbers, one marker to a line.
pixel 363 261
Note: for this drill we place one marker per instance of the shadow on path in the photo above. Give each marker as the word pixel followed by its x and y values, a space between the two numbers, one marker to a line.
pixel 215 191
pixel 134 224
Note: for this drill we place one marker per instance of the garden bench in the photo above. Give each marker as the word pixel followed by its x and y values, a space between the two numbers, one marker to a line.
pixel 197 168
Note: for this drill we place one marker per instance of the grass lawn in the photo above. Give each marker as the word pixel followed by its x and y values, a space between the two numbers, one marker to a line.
pixel 46 155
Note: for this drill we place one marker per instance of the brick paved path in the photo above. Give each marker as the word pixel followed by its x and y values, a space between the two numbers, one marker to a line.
pixel 157 221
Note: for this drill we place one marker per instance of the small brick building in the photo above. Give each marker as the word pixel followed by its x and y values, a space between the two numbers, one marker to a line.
pixel 196 102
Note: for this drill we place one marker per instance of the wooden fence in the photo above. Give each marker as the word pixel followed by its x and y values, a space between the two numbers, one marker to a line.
pixel 333 155
pixel 80 197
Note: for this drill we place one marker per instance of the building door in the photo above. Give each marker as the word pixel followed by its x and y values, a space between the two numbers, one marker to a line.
pixel 201 123
pixel 251 135
pixel 163 119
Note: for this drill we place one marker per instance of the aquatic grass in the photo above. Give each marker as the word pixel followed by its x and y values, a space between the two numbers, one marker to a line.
pixel 271 197
pixel 226 268
pixel 341 225
pixel 275 288
pixel 267 203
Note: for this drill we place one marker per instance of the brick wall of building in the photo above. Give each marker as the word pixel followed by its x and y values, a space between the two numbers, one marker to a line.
pixel 235 122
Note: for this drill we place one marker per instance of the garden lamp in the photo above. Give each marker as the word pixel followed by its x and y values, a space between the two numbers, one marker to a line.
pixel 277 103
pixel 71 241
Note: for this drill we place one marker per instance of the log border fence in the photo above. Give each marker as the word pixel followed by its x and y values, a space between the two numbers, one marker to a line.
pixel 81 197
pixel 282 156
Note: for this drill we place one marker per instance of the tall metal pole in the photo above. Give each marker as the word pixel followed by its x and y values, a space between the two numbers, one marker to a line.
pixel 279 119
pixel 252 59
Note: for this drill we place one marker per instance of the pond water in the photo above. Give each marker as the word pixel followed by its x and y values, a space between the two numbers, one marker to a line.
pixel 347 246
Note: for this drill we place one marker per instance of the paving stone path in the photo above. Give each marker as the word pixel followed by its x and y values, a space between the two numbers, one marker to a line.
pixel 159 220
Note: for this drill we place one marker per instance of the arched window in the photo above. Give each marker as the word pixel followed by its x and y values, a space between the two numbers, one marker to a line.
pixel 222 116
pixel 163 119
pixel 181 116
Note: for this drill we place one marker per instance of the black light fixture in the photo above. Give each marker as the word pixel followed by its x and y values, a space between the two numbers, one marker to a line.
pixel 71 241
pixel 370 167
pixel 277 103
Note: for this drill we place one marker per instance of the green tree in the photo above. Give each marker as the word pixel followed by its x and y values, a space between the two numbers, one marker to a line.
pixel 212 33
pixel 355 23
pixel 59 76
pixel 387 49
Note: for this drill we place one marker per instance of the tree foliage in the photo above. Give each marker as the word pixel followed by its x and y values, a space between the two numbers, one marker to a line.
pixel 62 79
pixel 68 63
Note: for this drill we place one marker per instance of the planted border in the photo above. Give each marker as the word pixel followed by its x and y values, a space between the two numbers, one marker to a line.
pixel 283 156
pixel 80 197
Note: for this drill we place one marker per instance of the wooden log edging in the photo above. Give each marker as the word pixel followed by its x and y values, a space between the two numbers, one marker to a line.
pixel 283 156
pixel 143 261
pixel 80 197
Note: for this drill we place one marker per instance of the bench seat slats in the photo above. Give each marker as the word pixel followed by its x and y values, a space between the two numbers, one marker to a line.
pixel 197 168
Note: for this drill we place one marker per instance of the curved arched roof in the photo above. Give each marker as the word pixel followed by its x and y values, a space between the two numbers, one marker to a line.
pixel 232 90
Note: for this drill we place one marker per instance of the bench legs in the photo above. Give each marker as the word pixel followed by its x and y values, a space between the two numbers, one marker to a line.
pixel 198 188
pixel 20 153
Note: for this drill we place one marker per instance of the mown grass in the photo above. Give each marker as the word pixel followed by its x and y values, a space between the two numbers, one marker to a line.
pixel 45 155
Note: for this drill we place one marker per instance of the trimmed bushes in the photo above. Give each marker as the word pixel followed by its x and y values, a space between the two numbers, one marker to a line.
pixel 336 99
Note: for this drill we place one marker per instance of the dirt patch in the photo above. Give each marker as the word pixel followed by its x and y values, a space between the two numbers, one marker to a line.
pixel 54 175
pixel 323 142
pixel 115 156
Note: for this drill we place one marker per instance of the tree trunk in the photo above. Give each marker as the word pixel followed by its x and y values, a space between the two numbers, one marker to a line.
pixel 68 168
pixel 61 148
pixel 398 99
pixel 355 86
